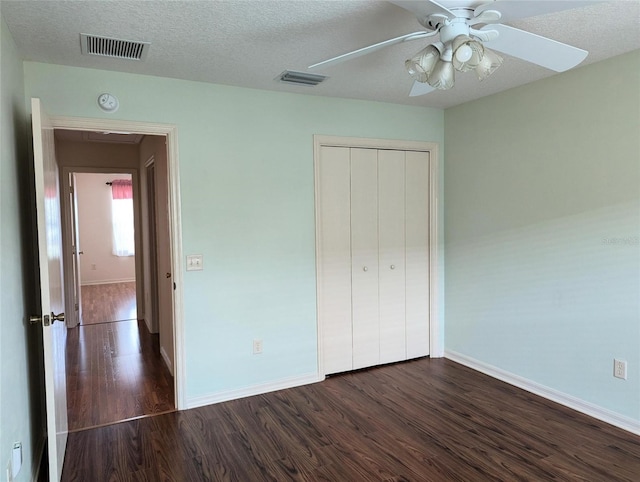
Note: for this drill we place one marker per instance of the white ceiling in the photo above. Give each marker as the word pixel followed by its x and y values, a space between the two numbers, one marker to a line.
pixel 249 43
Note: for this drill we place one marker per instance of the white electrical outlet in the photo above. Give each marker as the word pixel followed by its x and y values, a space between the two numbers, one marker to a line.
pixel 16 459
pixel 620 369
pixel 257 347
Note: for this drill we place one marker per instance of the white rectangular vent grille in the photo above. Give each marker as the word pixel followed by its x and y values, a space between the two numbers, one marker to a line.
pixel 301 78
pixel 113 47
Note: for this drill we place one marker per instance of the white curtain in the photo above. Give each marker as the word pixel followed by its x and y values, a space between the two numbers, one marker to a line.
pixel 122 217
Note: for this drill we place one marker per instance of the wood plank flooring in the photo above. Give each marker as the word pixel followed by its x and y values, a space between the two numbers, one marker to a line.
pixel 108 302
pixel 115 372
pixel 424 420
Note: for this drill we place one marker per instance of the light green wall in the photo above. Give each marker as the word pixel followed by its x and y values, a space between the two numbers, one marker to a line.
pixel 542 219
pixel 246 175
pixel 20 401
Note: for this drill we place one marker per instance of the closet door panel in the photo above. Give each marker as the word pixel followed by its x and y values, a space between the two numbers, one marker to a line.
pixel 364 257
pixel 391 230
pixel 417 253
pixel 334 258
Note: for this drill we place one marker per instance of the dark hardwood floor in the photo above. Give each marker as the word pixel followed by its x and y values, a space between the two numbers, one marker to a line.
pixel 108 302
pixel 115 372
pixel 424 420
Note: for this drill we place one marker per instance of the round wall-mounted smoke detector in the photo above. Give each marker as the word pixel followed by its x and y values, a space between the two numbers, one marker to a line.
pixel 108 102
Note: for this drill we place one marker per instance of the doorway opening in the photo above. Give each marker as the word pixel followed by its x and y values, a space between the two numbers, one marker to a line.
pixel 103 231
pixel 120 351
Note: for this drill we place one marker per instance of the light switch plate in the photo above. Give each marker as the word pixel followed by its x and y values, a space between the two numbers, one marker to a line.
pixel 194 262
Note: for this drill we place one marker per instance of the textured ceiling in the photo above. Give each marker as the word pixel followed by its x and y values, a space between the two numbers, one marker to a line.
pixel 249 43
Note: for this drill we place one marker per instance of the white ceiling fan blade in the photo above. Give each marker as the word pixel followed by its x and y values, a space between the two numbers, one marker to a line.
pixel 535 49
pixel 422 9
pixel 514 9
pixel 420 88
pixel 372 48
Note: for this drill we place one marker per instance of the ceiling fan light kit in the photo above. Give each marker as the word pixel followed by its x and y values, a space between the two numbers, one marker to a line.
pixel 462 47
pixel 468 53
pixel 436 64
pixel 489 63
pixel 443 75
pixel 422 64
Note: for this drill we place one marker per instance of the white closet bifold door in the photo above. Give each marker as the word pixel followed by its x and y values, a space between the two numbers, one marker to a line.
pixel 364 257
pixel 391 236
pixel 334 258
pixel 417 253
pixel 372 217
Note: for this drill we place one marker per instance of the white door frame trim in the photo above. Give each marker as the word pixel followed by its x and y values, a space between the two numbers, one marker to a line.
pixel 171 133
pixel 436 348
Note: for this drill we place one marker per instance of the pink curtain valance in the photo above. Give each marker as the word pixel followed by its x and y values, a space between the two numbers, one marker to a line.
pixel 122 189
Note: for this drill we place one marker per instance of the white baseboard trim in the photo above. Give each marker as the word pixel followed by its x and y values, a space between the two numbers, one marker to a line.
pixel 226 395
pixel 36 461
pixel 166 359
pixel 147 322
pixel 588 408
pixel 107 281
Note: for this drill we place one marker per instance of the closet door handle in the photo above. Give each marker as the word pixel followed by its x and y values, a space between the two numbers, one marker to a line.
pixel 393 266
pixel 365 269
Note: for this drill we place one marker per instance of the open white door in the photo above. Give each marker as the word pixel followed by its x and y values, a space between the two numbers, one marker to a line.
pixel 47 190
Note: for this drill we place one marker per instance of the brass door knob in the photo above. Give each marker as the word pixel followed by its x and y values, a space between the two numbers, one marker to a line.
pixel 58 317
pixel 46 320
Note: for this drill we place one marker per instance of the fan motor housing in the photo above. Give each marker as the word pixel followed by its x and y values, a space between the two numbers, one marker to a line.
pixel 452 29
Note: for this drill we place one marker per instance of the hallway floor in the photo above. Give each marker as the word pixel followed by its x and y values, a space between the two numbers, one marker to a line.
pixel 114 368
pixel 108 302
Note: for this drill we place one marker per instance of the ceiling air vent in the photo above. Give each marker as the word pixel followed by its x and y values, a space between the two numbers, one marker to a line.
pixel 113 47
pixel 300 78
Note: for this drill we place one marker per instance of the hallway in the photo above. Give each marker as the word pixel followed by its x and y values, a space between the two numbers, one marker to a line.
pixel 114 368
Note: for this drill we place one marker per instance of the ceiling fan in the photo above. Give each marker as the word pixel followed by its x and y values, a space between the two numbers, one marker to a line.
pixel 466 30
